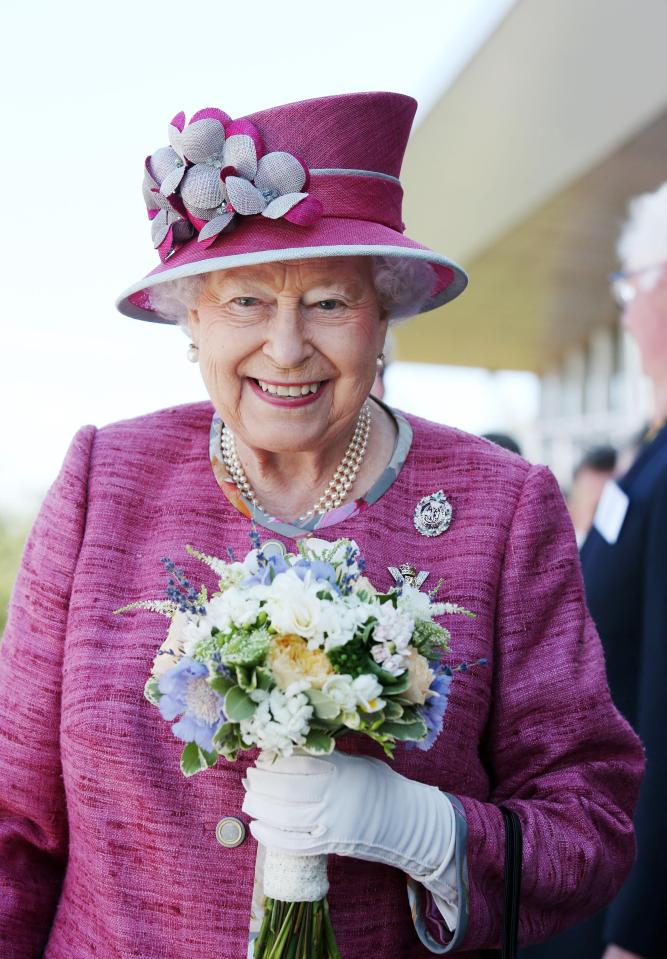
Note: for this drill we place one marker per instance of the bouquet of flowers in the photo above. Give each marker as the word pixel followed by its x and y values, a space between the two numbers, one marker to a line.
pixel 290 652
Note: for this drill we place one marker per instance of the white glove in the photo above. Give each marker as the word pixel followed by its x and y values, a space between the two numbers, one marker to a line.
pixel 352 806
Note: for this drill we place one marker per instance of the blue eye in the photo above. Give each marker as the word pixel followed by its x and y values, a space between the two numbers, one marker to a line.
pixel 329 305
pixel 246 300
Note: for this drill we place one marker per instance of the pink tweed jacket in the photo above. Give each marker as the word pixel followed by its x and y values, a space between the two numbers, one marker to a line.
pixel 107 851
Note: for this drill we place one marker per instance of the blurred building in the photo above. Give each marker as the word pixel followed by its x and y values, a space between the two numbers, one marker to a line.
pixel 554 124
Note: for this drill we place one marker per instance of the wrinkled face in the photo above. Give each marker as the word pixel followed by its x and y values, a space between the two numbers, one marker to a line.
pixel 288 350
pixel 645 318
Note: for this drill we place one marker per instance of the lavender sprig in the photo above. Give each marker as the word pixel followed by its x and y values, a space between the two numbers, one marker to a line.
pixel 180 591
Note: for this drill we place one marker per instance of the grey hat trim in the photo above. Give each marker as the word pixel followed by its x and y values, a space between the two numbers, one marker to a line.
pixel 457 285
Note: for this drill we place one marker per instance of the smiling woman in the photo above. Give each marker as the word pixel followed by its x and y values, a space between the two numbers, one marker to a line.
pixel 282 254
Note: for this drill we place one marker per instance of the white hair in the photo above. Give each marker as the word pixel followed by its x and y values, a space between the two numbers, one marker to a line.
pixel 402 284
pixel 643 240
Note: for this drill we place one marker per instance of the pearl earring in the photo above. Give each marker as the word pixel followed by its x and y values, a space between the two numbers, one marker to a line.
pixel 193 353
pixel 380 362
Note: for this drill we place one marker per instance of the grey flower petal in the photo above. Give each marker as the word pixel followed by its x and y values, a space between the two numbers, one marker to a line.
pixel 163 162
pixel 215 225
pixel 171 181
pixel 176 140
pixel 202 139
pixel 280 206
pixel 201 213
pixel 240 152
pixel 244 197
pixel 150 198
pixel 280 171
pixel 202 188
pixel 159 228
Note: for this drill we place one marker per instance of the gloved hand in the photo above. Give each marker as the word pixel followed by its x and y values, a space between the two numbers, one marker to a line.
pixel 353 806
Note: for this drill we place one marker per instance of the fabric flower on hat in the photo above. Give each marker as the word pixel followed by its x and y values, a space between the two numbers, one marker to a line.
pixel 214 169
pixel 169 223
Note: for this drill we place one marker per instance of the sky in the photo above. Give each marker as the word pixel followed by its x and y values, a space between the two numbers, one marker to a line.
pixel 87 93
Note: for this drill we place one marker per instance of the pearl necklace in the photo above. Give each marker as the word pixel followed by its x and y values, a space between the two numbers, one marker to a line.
pixel 340 484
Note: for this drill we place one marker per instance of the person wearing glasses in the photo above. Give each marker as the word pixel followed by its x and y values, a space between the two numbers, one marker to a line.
pixel 624 559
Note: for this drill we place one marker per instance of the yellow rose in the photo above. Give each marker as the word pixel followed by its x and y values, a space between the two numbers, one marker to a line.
pixel 420 676
pixel 291 661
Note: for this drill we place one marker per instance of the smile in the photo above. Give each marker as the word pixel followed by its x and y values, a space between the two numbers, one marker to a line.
pixel 288 394
pixel 296 389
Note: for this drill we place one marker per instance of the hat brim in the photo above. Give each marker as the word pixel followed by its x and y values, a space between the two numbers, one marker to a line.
pixel 257 240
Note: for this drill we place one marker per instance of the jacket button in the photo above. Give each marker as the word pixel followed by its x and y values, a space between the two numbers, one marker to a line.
pixel 230 832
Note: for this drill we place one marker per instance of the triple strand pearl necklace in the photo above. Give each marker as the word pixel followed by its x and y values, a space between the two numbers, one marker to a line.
pixel 340 484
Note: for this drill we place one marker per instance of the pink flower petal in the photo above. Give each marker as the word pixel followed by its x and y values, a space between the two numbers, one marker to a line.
pixel 165 248
pixel 243 196
pixel 280 171
pixel 282 205
pixel 178 121
pixel 247 129
pixel 306 212
pixel 215 226
pixel 210 113
pixel 203 140
pixel 239 152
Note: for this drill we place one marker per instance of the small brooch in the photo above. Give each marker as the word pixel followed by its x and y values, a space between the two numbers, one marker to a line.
pixel 433 514
pixel 406 575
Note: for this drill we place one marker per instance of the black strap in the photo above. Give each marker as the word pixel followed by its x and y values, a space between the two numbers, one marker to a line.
pixel 512 884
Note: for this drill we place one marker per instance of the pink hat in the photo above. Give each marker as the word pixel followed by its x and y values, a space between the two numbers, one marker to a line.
pixel 309 179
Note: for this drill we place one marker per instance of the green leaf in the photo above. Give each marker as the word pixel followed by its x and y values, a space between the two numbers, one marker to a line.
pixel 245 677
pixel 238 705
pixel 194 759
pixel 323 705
pixel 263 678
pixel 406 732
pixel 224 732
pixel 152 691
pixel 394 684
pixel 221 684
pixel 393 710
pixel 319 743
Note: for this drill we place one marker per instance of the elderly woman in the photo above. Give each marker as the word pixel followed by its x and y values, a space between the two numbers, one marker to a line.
pixel 624 560
pixel 285 273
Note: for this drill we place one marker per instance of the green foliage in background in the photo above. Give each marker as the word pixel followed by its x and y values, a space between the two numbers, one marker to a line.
pixel 12 538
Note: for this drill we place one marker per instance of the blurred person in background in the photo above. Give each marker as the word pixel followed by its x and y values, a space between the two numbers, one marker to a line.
pixel 503 439
pixel 595 468
pixel 624 560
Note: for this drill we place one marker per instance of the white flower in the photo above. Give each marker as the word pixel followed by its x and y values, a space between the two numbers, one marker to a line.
pixel 414 603
pixel 339 688
pixel 293 607
pixel 392 637
pixel 364 584
pixel 339 621
pixel 194 631
pixel 234 607
pixel 367 690
pixel 341 691
pixel 281 720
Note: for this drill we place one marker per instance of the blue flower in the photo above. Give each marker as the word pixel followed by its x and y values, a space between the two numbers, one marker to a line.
pixel 433 710
pixel 186 693
pixel 317 569
pixel 267 572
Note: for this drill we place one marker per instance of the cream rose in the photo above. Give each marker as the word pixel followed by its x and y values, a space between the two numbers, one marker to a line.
pixel 291 661
pixel 171 650
pixel 420 677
